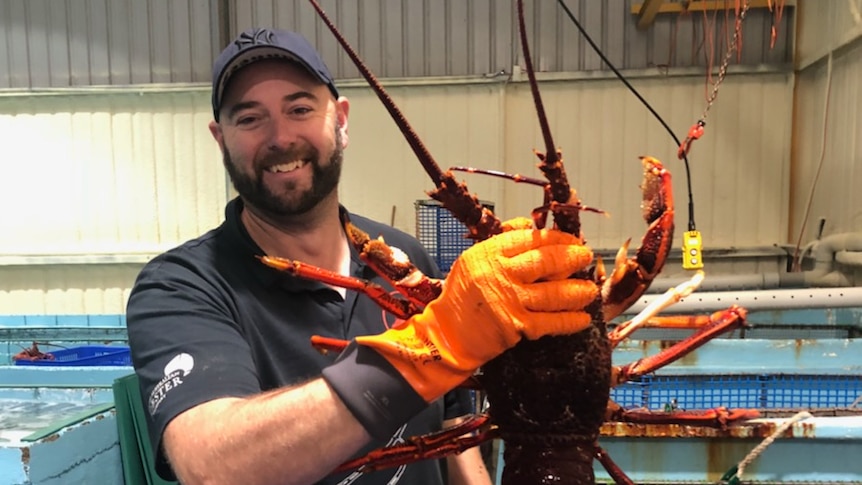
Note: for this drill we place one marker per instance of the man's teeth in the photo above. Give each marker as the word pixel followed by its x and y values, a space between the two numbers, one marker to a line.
pixel 286 167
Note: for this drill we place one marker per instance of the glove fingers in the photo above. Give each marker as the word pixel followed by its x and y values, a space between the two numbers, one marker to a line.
pixel 517 241
pixel 517 223
pixel 558 295
pixel 548 262
pixel 559 323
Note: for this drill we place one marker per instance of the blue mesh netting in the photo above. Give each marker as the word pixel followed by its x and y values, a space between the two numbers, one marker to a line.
pixel 740 391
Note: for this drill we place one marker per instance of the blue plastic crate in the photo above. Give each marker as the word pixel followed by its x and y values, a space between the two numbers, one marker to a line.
pixel 443 236
pixel 87 355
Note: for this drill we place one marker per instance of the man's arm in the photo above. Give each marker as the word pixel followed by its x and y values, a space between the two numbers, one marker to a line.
pixel 509 287
pixel 466 468
pixel 290 436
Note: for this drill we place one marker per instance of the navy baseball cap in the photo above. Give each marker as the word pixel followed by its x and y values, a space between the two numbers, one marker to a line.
pixel 259 44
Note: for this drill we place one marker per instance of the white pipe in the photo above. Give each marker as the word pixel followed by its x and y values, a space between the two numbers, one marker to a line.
pixel 850 258
pixel 828 253
pixel 824 251
pixel 762 300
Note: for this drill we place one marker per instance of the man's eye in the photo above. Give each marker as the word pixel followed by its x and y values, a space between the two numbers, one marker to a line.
pixel 246 120
pixel 301 110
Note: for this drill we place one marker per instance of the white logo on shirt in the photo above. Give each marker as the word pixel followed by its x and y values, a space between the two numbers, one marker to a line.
pixel 180 366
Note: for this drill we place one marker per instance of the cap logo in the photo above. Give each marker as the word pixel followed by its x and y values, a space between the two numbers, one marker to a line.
pixel 255 37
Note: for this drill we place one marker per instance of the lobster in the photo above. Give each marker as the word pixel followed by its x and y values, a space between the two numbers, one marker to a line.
pixel 547 398
pixel 32 354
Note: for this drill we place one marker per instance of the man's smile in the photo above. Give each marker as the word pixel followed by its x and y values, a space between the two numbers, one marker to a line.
pixel 287 167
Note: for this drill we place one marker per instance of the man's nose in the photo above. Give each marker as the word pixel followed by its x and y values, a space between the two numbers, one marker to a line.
pixel 283 133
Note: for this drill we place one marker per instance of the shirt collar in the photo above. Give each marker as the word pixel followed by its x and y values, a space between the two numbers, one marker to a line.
pixel 245 247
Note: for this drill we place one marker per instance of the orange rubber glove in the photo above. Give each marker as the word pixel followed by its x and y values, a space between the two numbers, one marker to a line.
pixel 510 286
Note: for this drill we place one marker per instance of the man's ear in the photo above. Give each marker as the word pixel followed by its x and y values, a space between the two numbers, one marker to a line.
pixel 342 110
pixel 215 131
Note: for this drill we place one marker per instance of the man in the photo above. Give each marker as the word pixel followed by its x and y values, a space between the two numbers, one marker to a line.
pixel 220 341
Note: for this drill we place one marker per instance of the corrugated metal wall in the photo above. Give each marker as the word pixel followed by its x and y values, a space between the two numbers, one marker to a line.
pixel 415 38
pixel 827 153
pixel 58 43
pixel 102 178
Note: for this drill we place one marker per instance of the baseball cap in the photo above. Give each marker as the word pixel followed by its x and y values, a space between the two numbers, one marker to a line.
pixel 258 44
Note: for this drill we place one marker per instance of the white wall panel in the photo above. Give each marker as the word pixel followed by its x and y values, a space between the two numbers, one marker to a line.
pixel 738 168
pixel 827 162
pixel 459 124
pixel 826 26
pixel 66 289
pixel 117 173
pixel 826 173
pixel 125 172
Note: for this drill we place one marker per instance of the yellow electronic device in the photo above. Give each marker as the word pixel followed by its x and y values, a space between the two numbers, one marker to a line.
pixel 692 250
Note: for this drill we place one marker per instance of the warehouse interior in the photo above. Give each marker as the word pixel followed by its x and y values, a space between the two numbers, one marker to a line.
pixel 753 106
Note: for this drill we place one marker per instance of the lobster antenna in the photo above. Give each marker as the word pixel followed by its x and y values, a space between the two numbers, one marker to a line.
pixel 550 148
pixel 560 190
pixel 431 168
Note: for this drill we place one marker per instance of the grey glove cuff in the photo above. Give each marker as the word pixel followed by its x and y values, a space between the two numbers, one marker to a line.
pixel 377 394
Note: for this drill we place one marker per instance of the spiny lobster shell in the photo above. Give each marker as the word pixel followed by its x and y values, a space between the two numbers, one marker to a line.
pixel 548 399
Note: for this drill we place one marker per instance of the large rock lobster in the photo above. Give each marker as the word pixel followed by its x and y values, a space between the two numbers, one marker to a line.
pixel 548 398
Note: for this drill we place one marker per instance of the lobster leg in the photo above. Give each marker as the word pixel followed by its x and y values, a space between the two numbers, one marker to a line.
pixel 467 434
pixel 720 417
pixel 615 472
pixel 401 308
pixel 631 277
pixel 670 297
pixel 394 266
pixel 720 322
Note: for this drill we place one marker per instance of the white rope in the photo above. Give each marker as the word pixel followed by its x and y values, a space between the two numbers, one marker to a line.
pixel 740 469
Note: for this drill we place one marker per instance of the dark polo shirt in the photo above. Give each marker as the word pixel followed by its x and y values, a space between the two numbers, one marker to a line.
pixel 208 320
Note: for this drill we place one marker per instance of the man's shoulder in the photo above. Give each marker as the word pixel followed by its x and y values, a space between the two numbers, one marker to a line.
pixel 193 257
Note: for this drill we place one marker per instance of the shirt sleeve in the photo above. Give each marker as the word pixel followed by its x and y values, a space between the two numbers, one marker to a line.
pixel 458 402
pixel 185 345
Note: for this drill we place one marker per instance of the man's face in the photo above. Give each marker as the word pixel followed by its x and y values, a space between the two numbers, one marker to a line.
pixel 282 137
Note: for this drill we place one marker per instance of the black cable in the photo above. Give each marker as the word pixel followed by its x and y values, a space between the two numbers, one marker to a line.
pixel 691 226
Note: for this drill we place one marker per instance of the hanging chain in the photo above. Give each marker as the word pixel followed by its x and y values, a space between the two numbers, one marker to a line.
pixel 722 71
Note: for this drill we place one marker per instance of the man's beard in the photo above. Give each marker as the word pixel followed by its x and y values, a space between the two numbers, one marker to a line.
pixel 324 180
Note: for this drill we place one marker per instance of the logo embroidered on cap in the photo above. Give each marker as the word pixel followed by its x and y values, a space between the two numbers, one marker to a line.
pixel 255 37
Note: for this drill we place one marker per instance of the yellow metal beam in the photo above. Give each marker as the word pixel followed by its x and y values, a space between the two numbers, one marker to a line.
pixel 699 6
pixel 647 12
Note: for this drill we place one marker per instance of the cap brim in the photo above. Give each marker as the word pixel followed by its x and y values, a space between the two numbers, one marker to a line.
pixel 255 54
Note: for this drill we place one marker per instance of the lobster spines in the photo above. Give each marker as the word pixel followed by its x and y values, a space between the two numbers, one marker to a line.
pixel 656 189
pixel 561 193
pixel 466 207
